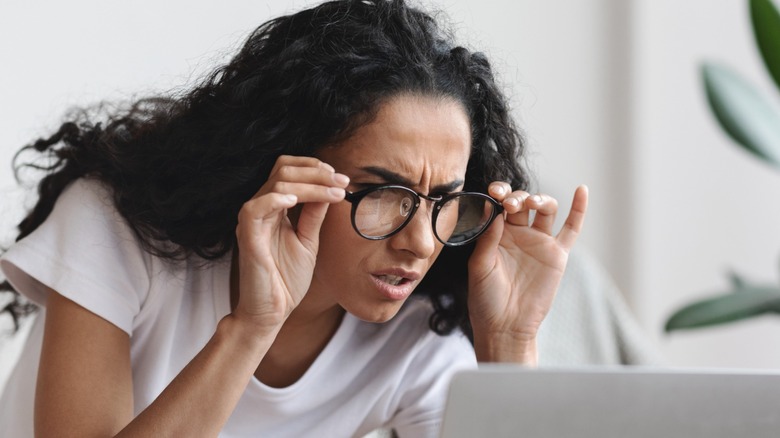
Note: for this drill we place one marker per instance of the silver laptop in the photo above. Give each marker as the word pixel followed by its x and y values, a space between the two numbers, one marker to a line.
pixel 511 401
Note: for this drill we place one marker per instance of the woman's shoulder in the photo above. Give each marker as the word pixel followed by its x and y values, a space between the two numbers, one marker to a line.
pixel 86 202
pixel 86 252
pixel 87 190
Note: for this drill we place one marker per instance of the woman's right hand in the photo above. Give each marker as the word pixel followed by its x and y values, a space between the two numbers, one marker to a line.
pixel 276 255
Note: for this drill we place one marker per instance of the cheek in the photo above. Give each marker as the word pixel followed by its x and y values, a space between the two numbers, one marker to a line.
pixel 336 225
pixel 339 243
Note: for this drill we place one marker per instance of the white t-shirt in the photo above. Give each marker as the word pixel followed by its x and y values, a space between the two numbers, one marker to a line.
pixel 368 376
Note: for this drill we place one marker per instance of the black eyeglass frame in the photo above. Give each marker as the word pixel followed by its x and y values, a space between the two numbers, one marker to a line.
pixel 438 201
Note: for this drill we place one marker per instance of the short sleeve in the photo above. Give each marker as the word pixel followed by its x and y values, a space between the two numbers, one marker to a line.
pixel 86 252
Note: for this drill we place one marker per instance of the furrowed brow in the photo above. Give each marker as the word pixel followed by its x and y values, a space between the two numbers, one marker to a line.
pixel 394 178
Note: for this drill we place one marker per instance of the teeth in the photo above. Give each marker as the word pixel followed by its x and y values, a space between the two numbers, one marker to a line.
pixel 391 279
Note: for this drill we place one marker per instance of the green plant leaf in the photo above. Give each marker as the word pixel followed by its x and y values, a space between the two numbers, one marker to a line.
pixel 744 113
pixel 737 282
pixel 745 303
pixel 766 27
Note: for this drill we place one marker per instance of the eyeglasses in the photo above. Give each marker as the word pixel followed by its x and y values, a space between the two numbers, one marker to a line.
pixel 457 219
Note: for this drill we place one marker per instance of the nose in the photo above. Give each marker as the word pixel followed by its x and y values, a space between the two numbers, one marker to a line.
pixel 417 236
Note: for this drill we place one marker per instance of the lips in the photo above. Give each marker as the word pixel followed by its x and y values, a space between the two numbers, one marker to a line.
pixel 396 275
pixel 396 283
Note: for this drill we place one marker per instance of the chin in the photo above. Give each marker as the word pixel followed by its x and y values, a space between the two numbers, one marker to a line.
pixel 377 313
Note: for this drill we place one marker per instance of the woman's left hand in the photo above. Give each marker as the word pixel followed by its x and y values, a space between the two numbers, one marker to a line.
pixel 515 271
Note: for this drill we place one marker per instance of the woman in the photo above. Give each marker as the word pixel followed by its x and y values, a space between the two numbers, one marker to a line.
pixel 240 261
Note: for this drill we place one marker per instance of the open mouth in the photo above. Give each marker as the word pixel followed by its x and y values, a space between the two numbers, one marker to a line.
pixel 395 284
pixel 393 280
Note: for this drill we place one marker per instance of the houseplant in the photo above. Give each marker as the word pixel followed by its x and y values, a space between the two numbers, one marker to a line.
pixel 752 120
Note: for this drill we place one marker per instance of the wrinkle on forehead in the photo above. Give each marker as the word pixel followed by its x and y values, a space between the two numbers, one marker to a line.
pixel 423 118
pixel 425 139
pixel 424 174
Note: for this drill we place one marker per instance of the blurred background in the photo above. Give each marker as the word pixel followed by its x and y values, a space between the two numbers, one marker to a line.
pixel 607 92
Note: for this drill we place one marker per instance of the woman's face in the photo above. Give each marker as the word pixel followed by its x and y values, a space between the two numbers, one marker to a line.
pixel 419 142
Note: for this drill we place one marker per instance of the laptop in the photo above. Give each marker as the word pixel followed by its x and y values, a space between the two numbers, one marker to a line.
pixel 512 401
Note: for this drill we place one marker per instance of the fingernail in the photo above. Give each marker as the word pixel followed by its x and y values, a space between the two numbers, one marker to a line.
pixel 327 166
pixel 513 202
pixel 340 179
pixel 337 192
pixel 500 190
pixel 537 199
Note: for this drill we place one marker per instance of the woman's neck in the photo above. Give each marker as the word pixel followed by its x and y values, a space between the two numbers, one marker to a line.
pixel 297 346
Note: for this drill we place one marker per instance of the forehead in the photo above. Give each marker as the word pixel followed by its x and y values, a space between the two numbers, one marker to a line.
pixel 427 140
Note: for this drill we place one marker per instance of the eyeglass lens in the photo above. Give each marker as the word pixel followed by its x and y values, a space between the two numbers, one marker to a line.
pixel 458 220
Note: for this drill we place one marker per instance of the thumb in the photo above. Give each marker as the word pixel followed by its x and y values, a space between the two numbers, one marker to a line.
pixel 482 259
pixel 309 224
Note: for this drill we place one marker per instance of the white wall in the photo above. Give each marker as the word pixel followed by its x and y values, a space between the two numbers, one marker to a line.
pixel 610 95
pixel 606 90
pixel 58 55
pixel 703 207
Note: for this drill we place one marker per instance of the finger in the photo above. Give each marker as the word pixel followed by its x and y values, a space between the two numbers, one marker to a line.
pixel 266 206
pixel 546 208
pixel 308 192
pixel 499 190
pixel 301 170
pixel 259 210
pixel 292 160
pixel 516 208
pixel 571 229
pixel 315 175
pixel 481 260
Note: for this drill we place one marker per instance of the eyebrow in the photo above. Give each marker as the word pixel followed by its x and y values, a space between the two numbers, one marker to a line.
pixel 394 178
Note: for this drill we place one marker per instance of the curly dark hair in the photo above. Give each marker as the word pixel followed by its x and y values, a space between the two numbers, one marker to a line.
pixel 181 167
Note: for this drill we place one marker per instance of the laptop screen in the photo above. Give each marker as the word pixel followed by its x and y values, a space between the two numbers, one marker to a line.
pixel 512 401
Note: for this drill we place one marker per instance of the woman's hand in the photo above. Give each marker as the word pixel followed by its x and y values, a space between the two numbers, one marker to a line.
pixel 515 271
pixel 276 255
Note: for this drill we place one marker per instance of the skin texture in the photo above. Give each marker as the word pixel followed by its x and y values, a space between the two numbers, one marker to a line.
pixel 293 280
pixel 426 142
